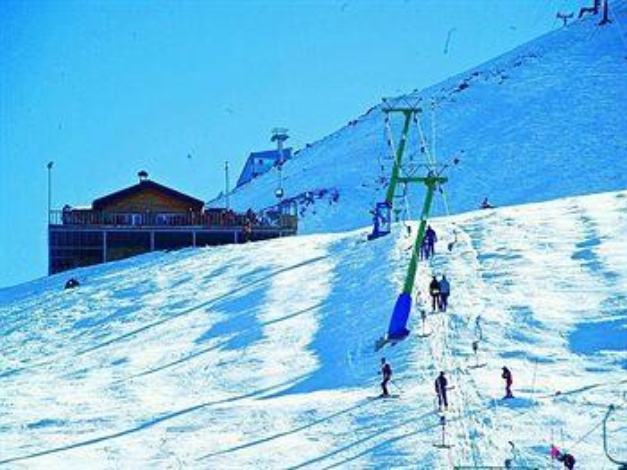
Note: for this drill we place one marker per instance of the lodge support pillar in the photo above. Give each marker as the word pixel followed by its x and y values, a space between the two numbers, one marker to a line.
pixel 104 247
pixel 152 240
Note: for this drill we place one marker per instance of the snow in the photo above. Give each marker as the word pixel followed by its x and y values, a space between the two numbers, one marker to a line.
pixel 261 355
pixel 541 122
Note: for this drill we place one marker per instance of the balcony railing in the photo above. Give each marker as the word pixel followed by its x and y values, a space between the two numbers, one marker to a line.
pixel 206 219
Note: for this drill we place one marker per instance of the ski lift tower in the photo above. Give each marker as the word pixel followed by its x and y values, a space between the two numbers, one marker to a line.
pixel 428 174
pixel 402 172
pixel 280 135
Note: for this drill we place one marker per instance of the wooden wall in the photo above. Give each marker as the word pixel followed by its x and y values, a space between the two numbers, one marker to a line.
pixel 148 199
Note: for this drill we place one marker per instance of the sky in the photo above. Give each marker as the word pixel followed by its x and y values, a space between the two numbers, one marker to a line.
pixel 106 89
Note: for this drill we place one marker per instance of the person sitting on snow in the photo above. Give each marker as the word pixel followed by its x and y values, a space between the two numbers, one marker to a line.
pixel 485 204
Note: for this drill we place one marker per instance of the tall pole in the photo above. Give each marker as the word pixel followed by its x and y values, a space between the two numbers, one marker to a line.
pixel 280 145
pixel 279 135
pixel 606 17
pixel 49 166
pixel 226 185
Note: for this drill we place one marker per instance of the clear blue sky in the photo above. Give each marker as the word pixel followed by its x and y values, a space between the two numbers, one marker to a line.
pixel 105 89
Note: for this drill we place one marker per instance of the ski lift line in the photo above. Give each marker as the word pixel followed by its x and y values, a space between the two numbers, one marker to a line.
pixel 610 410
pixel 433 129
pixel 390 141
pixel 618 27
pixel 406 105
pixel 594 428
pixel 398 155
pixel 423 142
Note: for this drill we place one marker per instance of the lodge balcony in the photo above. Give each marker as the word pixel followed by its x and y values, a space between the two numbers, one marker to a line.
pixel 84 237
pixel 208 219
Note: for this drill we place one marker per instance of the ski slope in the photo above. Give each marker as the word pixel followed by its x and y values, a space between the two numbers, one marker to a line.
pixel 541 122
pixel 261 355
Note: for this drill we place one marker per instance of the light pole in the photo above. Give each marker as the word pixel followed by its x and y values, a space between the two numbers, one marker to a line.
pixel 279 135
pixel 49 166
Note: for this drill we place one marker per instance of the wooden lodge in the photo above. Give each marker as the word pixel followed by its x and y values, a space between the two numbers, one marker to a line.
pixel 147 217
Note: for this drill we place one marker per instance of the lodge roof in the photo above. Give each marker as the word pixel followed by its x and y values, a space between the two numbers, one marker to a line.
pixel 100 203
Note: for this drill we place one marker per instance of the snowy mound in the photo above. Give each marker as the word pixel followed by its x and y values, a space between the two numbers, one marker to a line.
pixel 544 121
pixel 261 355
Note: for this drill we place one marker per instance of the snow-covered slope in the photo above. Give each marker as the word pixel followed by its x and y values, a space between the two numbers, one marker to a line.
pixel 261 355
pixel 546 120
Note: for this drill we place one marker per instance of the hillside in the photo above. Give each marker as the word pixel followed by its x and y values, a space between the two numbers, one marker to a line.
pixel 260 355
pixel 541 122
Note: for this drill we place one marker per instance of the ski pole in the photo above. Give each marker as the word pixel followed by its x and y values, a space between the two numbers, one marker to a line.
pixel 399 388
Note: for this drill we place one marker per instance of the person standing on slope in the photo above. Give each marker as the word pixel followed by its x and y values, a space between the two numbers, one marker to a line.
pixel 507 375
pixel 434 291
pixel 445 291
pixel 386 372
pixel 440 389
pixel 430 238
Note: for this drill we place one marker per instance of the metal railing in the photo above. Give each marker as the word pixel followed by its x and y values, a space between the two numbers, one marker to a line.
pixel 209 219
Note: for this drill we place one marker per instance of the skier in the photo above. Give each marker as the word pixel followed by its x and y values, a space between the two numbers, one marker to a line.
pixel 445 291
pixel 452 244
pixel 434 290
pixel 430 238
pixel 486 204
pixel 567 459
pixel 247 230
pixel 386 372
pixel 424 249
pixel 507 375
pixel 440 389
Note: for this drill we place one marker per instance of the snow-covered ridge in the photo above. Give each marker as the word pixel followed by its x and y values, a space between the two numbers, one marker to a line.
pixel 541 122
pixel 261 355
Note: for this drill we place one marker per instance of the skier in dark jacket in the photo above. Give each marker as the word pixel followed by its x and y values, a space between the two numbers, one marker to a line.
pixel 434 291
pixel 430 239
pixel 568 460
pixel 440 389
pixel 445 291
pixel 424 249
pixel 386 372
pixel 507 375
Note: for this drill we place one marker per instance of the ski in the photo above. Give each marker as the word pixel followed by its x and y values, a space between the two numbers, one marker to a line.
pixel 381 342
pixel 477 366
pixel 383 397
pixel 443 446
